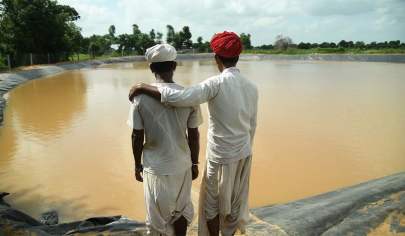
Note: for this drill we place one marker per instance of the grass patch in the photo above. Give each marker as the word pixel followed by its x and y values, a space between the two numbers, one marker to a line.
pixel 86 57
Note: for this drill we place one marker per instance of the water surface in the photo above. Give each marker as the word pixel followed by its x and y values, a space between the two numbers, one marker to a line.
pixel 321 126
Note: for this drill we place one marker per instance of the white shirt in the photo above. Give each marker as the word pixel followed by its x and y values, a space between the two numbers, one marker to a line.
pixel 232 103
pixel 166 150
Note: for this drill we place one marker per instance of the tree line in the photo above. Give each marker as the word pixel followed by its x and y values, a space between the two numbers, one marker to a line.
pixel 37 26
pixel 285 42
pixel 48 30
pixel 137 42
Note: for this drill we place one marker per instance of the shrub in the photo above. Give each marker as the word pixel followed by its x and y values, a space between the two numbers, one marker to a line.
pixel 3 63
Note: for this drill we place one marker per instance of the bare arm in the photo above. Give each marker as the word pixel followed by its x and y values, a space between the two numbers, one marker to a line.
pixel 194 144
pixel 137 148
pixel 252 131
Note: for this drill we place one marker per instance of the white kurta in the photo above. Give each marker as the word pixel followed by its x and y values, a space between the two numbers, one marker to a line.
pixel 166 149
pixel 232 103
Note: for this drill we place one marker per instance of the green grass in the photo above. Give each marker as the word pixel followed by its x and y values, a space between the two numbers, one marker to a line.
pixel 289 51
pixel 86 57
pixel 297 51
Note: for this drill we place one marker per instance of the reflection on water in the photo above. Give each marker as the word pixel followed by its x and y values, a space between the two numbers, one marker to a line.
pixel 322 125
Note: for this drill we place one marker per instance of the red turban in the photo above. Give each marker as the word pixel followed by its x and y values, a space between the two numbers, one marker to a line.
pixel 226 44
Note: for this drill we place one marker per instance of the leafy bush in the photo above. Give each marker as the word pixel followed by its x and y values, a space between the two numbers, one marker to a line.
pixel 330 50
pixel 3 63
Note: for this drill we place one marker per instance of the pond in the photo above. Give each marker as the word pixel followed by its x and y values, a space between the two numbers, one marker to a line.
pixel 65 144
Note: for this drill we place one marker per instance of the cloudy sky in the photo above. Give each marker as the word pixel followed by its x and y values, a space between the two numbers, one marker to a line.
pixel 302 20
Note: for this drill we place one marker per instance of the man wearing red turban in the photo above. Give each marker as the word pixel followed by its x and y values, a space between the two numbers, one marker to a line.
pixel 232 103
pixel 226 44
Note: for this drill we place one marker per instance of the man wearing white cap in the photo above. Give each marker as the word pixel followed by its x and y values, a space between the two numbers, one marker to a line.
pixel 169 140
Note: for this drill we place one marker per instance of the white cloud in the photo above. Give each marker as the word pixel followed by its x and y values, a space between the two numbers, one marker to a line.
pixel 311 20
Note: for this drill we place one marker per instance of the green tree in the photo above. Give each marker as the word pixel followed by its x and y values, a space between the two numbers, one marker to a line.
pixel 200 45
pixel 111 31
pixel 74 38
pixel 394 44
pixel 111 34
pixel 185 36
pixel 324 45
pixel 135 29
pixel 181 39
pixel 266 46
pixel 159 37
pixel 359 44
pixel 37 26
pixel 245 38
pixel 152 35
pixel 372 45
pixel 138 41
pixel 303 45
pixel 343 44
pixel 170 36
pixel 98 45
pixel 282 42
pixel 143 42
pixel 124 41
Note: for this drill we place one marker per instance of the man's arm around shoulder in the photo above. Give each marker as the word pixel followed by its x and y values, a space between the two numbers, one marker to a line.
pixel 146 89
pixel 192 96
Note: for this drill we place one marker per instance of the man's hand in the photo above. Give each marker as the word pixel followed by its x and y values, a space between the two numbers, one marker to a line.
pixel 142 88
pixel 194 172
pixel 135 91
pixel 139 173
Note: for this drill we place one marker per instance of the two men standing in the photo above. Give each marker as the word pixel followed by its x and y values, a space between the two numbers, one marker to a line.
pixel 232 103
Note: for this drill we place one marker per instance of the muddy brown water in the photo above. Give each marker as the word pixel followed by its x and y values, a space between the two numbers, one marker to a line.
pixel 65 145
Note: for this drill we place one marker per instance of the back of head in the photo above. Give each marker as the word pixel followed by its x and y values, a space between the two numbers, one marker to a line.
pixel 163 67
pixel 161 58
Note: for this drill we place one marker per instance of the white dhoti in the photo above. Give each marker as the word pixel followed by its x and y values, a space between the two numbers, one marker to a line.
pixel 167 198
pixel 224 192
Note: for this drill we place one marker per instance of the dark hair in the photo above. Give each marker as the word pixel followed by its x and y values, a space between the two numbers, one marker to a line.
pixel 162 67
pixel 228 61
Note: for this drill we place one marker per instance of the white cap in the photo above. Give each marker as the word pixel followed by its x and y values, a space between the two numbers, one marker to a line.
pixel 161 52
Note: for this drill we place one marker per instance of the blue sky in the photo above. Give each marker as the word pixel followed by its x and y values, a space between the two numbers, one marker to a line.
pixel 302 20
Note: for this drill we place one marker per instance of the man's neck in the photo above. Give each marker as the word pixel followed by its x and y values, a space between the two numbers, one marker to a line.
pixel 163 79
pixel 226 68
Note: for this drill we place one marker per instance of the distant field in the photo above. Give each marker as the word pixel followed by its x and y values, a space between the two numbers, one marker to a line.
pixel 290 51
pixel 86 57
pixel 296 51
